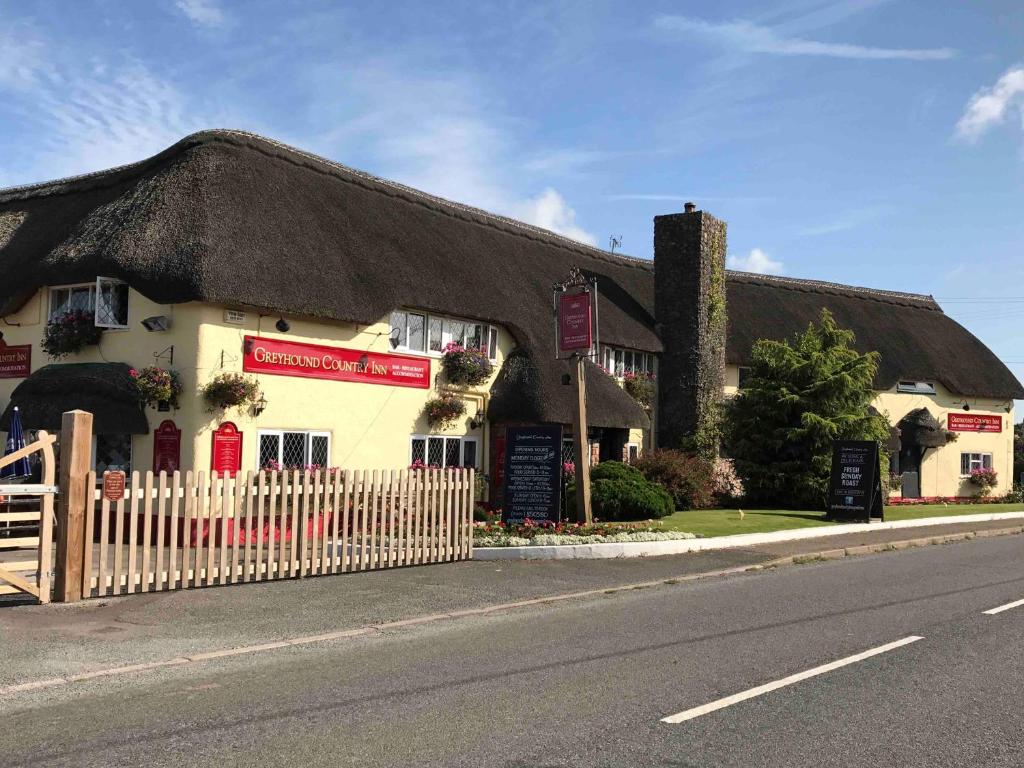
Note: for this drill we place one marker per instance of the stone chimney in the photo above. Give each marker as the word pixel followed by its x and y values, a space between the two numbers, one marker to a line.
pixel 690 319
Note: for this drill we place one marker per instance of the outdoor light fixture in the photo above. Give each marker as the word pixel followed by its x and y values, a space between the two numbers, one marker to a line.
pixel 260 405
pixel 393 337
pixel 282 325
pixel 477 421
pixel 157 323
pixel 966 406
pixel 248 345
pixel 566 379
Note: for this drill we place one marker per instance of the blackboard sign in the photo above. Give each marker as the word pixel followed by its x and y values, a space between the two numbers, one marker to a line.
pixel 855 490
pixel 533 474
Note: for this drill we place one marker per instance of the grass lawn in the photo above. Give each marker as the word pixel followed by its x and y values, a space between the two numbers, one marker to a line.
pixel 723 522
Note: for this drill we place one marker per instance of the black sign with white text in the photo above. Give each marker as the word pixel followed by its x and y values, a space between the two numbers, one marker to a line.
pixel 855 489
pixel 533 474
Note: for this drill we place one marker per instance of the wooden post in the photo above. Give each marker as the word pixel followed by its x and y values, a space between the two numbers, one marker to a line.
pixel 75 461
pixel 579 429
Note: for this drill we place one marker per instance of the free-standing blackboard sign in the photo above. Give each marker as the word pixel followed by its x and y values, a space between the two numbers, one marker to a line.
pixel 533 474
pixel 855 490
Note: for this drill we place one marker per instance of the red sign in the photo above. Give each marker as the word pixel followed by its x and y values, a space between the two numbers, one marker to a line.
pixel 315 361
pixel 975 422
pixel 15 362
pixel 226 456
pixel 166 447
pixel 575 329
pixel 113 486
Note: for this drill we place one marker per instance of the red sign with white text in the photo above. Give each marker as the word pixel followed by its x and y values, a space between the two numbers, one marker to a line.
pixel 575 326
pixel 166 447
pixel 315 361
pixel 15 362
pixel 974 422
pixel 226 457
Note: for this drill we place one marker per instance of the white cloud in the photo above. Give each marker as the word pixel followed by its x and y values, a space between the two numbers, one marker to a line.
pixel 756 261
pixel 747 37
pixel 989 106
pixel 205 13
pixel 549 210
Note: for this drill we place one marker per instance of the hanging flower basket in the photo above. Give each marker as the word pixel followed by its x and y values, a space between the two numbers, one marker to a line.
pixel 465 367
pixel 230 390
pixel 443 411
pixel 640 386
pixel 157 385
pixel 67 334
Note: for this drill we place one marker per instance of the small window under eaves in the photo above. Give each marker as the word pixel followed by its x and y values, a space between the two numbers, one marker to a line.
pixel 916 387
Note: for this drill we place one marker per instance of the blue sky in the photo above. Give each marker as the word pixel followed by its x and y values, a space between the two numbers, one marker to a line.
pixel 868 142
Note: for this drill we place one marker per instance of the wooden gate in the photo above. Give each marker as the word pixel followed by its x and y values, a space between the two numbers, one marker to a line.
pixel 26 526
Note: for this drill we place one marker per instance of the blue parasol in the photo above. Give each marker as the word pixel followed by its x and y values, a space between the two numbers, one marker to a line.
pixel 15 442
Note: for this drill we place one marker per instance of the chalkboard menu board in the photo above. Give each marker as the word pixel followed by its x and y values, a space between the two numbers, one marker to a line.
pixel 533 474
pixel 855 489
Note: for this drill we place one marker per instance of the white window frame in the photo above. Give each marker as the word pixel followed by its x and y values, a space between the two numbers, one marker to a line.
pixel 307 449
pixel 69 287
pixel 488 333
pixel 983 461
pixel 630 447
pixel 462 448
pixel 639 361
pixel 95 292
pixel 915 387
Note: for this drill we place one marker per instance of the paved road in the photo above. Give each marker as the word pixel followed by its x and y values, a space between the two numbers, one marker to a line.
pixel 587 682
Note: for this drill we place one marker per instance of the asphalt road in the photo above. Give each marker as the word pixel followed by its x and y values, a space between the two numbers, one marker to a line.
pixel 587 682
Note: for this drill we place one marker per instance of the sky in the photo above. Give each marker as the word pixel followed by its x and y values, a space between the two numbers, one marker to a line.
pixel 870 142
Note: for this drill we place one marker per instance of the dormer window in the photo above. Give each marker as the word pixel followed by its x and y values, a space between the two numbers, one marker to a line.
pixel 916 387
pixel 106 300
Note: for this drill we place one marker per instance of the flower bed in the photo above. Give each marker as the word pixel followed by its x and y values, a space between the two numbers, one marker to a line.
pixel 899 501
pixel 532 534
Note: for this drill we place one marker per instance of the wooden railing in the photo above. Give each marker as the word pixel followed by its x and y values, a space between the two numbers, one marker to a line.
pixel 26 525
pixel 186 530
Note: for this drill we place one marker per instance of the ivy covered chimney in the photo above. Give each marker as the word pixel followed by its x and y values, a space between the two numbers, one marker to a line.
pixel 690 318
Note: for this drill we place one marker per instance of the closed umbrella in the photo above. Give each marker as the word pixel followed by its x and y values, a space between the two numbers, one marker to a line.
pixel 15 442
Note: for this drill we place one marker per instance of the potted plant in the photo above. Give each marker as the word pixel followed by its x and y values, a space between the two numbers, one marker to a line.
pixel 442 411
pixel 985 479
pixel 640 386
pixel 464 366
pixel 231 390
pixel 157 385
pixel 68 333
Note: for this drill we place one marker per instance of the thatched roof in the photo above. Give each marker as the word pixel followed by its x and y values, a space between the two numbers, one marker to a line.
pixel 232 218
pixel 106 390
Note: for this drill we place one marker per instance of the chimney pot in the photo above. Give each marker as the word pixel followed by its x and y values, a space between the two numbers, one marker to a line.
pixel 689 207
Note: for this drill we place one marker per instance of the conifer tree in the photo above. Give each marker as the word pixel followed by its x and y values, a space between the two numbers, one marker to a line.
pixel 801 395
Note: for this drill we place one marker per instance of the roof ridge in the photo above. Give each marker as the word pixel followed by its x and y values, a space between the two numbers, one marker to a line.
pixel 800 282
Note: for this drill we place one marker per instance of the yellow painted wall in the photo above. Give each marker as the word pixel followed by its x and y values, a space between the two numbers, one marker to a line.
pixel 940 467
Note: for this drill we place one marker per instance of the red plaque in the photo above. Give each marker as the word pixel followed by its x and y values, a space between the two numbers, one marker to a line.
pixel 113 486
pixel 975 422
pixel 15 362
pixel 575 324
pixel 166 447
pixel 315 361
pixel 226 457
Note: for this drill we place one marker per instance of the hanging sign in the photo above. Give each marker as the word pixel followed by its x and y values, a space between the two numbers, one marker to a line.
pixel 316 361
pixel 974 422
pixel 533 474
pixel 15 362
pixel 855 487
pixel 575 322
pixel 226 456
pixel 113 486
pixel 166 447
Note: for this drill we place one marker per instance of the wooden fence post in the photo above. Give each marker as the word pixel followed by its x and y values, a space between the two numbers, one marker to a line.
pixel 75 461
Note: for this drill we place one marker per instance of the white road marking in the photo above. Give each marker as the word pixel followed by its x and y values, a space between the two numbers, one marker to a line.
pixel 736 698
pixel 1001 608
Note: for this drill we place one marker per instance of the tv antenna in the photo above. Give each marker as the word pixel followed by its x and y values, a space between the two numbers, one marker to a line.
pixel 614 242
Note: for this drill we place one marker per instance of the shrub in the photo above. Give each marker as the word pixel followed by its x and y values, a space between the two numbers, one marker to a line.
pixel 157 385
pixel 1016 495
pixel 465 367
pixel 984 479
pixel 68 333
pixel 619 492
pixel 689 479
pixel 726 482
pixel 640 386
pixel 442 411
pixel 230 390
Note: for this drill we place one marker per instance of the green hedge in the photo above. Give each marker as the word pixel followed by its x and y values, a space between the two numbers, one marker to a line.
pixel 619 492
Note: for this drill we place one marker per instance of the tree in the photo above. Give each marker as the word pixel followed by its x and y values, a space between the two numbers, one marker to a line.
pixel 1018 451
pixel 802 394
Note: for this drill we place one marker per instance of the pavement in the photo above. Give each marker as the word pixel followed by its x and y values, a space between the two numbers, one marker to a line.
pixel 588 681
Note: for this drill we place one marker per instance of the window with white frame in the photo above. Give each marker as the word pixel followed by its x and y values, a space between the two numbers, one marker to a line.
pixel 632 452
pixel 972 461
pixel 430 334
pixel 443 451
pixel 916 387
pixel 111 453
pixel 106 300
pixel 279 448
pixel 619 362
